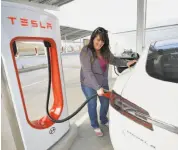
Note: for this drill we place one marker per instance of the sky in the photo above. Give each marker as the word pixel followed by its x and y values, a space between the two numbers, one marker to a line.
pixel 116 15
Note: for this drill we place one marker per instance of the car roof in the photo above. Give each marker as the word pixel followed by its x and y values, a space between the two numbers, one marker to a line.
pixel 165 44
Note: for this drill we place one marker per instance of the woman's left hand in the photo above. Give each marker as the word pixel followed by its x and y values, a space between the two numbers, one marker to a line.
pixel 131 62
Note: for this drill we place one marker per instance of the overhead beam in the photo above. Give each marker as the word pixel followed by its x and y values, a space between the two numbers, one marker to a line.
pixel 141 25
pixel 148 29
pixel 70 33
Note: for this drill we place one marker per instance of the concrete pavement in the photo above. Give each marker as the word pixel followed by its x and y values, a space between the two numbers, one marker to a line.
pixel 87 140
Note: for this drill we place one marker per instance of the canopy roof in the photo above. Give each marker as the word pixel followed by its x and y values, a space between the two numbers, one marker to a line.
pixel 69 33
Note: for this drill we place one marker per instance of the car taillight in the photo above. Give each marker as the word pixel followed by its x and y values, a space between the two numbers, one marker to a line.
pixel 138 114
pixel 129 109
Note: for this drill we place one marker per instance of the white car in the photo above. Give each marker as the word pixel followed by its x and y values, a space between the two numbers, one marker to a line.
pixel 144 103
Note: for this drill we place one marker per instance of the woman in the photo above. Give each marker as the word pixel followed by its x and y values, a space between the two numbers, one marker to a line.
pixel 95 59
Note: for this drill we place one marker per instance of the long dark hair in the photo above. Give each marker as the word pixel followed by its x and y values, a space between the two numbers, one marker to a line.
pixel 105 50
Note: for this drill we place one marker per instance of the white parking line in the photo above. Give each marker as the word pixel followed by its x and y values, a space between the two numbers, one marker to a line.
pixel 82 119
pixel 34 83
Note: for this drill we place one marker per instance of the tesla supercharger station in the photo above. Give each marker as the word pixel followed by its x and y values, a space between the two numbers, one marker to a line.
pixel 24 27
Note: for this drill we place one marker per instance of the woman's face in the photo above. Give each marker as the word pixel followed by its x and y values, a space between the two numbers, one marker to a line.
pixel 98 43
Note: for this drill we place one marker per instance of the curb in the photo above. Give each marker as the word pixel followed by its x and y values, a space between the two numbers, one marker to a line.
pixel 67 140
pixel 32 68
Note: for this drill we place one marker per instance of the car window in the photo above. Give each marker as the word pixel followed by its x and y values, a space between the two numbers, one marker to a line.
pixel 162 62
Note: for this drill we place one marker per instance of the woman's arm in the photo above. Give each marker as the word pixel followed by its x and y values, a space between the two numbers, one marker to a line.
pixel 120 62
pixel 86 67
pixel 117 61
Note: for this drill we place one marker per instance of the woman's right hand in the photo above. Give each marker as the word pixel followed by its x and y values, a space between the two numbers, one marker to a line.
pixel 131 63
pixel 100 92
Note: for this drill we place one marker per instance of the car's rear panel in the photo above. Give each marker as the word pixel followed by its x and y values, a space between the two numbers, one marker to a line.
pixel 137 135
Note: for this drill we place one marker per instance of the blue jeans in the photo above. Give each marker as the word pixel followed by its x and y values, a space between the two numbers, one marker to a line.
pixel 92 106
